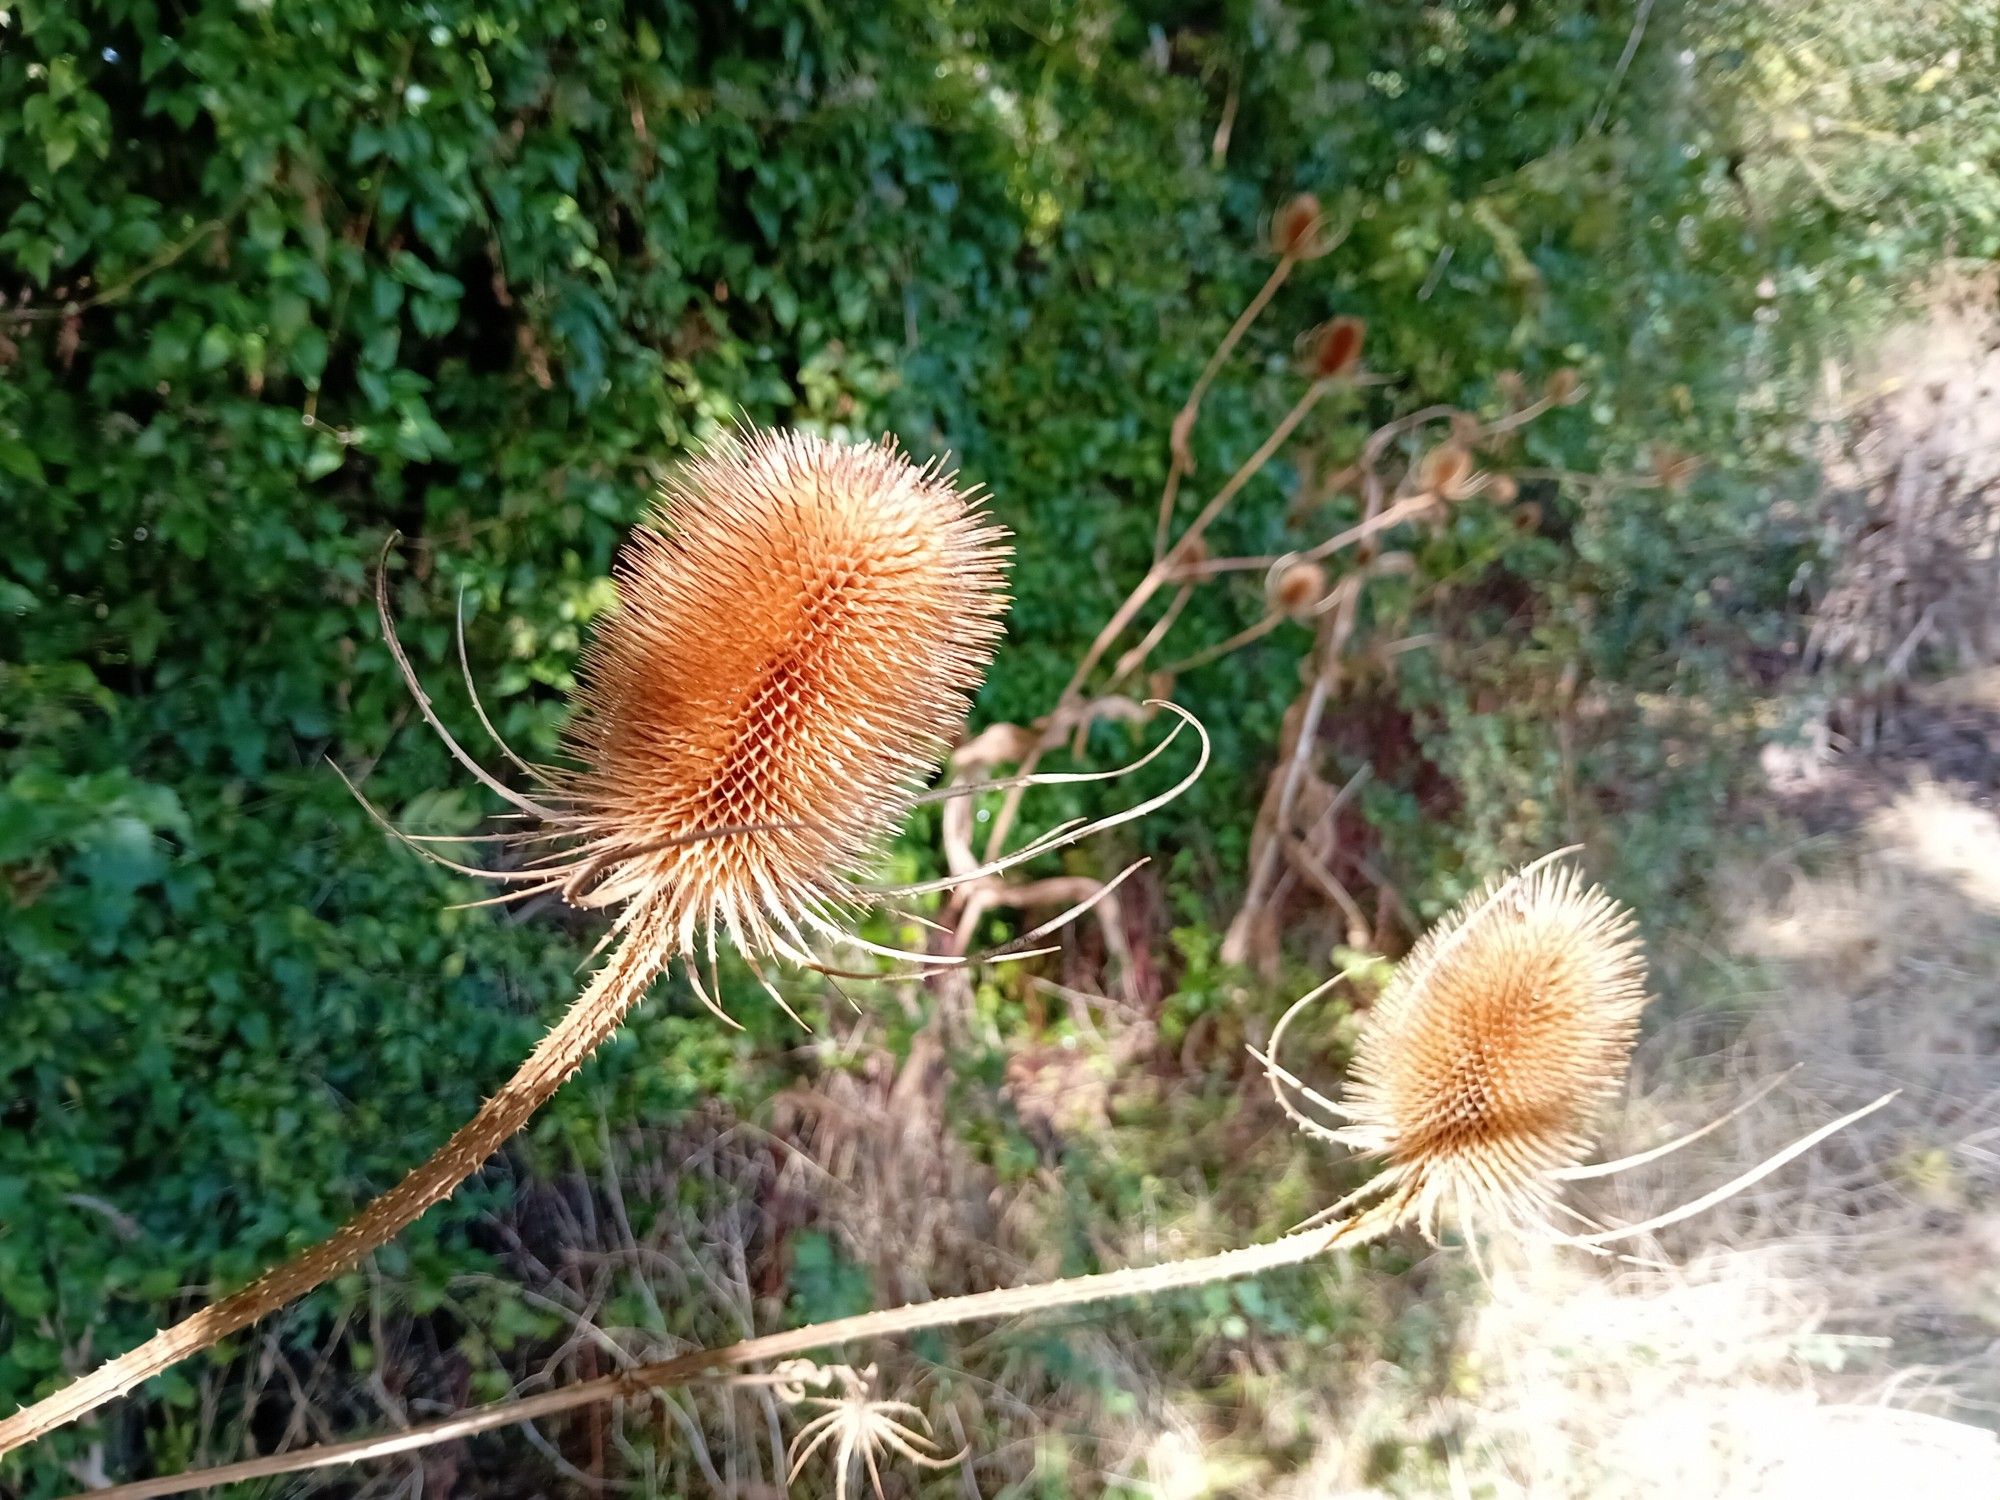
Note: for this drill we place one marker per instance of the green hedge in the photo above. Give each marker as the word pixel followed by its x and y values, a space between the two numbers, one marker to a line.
pixel 282 279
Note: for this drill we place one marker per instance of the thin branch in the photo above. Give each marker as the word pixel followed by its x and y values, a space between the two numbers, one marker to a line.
pixel 1007 1302
pixel 1181 459
pixel 1158 575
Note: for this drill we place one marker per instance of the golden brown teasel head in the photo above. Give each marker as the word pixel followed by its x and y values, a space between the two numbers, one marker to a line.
pixel 799 631
pixel 1481 1069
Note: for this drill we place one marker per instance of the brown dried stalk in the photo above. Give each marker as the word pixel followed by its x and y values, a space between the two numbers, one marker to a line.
pixel 793 648
pixel 1007 1302
pixel 1479 1075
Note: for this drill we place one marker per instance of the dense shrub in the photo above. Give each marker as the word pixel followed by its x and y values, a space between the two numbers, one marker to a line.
pixel 281 280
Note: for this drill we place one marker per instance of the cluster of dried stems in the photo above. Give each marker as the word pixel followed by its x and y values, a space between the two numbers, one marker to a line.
pixel 1410 472
pixel 1911 464
pixel 794 646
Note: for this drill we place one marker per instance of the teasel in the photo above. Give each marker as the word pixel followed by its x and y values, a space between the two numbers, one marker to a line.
pixel 798 635
pixel 1480 1073
pixel 1481 1070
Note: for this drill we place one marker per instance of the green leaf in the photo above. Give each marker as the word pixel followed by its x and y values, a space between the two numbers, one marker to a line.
pixel 18 459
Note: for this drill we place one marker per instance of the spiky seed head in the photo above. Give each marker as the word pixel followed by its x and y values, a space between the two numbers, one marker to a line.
pixel 797 637
pixel 1481 1067
pixel 1295 229
pixel 1335 347
pixel 1297 586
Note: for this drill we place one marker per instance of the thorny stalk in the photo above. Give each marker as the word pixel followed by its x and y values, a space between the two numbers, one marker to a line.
pixel 610 850
pixel 684 1369
pixel 707 1365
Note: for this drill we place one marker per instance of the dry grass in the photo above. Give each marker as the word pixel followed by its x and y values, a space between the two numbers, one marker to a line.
pixel 1911 454
pixel 1836 1332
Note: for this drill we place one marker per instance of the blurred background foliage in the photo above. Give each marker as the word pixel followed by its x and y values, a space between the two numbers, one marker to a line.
pixel 281 280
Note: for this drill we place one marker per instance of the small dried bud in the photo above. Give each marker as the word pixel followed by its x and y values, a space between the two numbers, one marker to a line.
pixel 1527 517
pixel 1296 587
pixel 1503 488
pixel 1565 387
pixel 1336 347
pixel 1295 231
pixel 1446 471
pixel 1513 390
pixel 1464 428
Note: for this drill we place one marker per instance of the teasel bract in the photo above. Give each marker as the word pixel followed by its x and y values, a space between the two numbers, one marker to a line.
pixel 798 635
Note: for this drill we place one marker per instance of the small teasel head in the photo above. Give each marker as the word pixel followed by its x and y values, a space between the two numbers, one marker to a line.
pixel 1481 1068
pixel 1298 228
pixel 1296 586
pixel 1447 471
pixel 1333 350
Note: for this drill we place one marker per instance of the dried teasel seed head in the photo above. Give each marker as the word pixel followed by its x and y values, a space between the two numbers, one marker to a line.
pixel 1446 471
pixel 1297 586
pixel 1564 388
pixel 1335 347
pixel 797 637
pixel 1481 1067
pixel 1295 228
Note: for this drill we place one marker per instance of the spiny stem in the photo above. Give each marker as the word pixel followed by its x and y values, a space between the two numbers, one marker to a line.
pixel 596 1013
pixel 1139 1281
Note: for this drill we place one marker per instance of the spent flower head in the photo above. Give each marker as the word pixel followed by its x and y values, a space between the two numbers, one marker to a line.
pixel 1482 1066
pixel 858 1424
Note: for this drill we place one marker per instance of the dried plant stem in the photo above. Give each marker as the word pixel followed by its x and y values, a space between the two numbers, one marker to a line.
pixel 1162 572
pixel 1181 457
pixel 1406 509
pixel 596 1013
pixel 1251 1260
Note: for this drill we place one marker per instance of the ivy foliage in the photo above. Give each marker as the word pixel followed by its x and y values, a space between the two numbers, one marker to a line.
pixel 282 281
